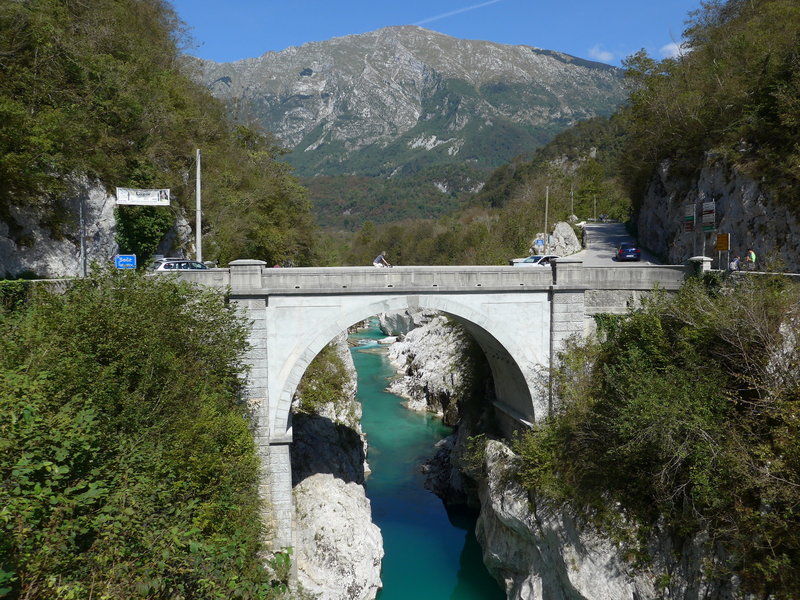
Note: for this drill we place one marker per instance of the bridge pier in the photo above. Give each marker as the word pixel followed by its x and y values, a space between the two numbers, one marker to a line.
pixel 275 485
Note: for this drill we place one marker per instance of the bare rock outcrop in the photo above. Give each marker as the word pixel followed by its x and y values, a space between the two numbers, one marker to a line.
pixel 400 323
pixel 31 242
pixel 338 547
pixel 431 358
pixel 743 209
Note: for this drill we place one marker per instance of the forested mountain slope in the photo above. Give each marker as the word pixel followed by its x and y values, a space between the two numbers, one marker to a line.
pixel 718 123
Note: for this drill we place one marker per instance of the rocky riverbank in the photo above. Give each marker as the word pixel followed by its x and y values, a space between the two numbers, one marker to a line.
pixel 534 549
pixel 338 548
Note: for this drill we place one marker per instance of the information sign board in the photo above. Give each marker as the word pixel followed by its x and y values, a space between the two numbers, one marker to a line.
pixel 145 197
pixel 709 216
pixel 125 261
pixel 723 242
pixel 688 217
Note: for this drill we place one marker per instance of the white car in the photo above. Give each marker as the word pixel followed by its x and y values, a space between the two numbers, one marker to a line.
pixel 537 260
pixel 176 264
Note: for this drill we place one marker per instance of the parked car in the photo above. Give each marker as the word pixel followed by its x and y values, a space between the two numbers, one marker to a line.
pixel 536 260
pixel 628 251
pixel 176 264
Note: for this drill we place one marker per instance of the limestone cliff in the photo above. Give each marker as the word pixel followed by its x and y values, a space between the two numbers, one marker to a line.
pixel 39 242
pixel 434 360
pixel 338 548
pixel 32 243
pixel 743 208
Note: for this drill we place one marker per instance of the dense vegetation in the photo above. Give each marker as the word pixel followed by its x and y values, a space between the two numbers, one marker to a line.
pixel 734 90
pixel 576 174
pixel 346 202
pixel 685 420
pixel 93 91
pixel 127 464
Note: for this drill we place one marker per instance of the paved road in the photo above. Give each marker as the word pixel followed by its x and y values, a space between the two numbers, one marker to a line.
pixel 601 240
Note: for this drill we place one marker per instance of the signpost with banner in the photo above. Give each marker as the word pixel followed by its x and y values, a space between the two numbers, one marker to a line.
pixel 143 197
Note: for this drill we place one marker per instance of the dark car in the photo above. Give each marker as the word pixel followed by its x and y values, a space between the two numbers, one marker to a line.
pixel 628 251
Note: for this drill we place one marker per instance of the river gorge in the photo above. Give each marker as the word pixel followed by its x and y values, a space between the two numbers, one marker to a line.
pixel 430 552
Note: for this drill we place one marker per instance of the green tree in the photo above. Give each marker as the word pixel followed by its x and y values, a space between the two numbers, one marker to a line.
pixel 684 419
pixel 127 465
pixel 99 92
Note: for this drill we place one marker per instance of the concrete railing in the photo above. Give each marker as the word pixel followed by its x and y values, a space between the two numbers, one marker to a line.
pixel 255 276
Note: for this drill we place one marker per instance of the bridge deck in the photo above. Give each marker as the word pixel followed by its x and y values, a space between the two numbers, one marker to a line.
pixel 422 279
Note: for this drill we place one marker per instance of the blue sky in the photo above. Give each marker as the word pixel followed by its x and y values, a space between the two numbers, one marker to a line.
pixel 227 30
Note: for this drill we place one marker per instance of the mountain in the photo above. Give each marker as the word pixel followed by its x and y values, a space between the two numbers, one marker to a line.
pixel 402 100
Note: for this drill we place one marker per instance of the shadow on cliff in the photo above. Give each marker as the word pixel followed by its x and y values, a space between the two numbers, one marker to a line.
pixel 322 446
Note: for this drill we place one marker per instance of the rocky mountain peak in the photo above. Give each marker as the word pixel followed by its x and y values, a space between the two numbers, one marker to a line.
pixel 384 102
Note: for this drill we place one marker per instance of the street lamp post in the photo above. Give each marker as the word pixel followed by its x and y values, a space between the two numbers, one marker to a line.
pixel 198 216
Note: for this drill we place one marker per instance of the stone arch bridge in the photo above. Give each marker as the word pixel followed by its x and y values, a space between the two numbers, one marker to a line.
pixel 520 317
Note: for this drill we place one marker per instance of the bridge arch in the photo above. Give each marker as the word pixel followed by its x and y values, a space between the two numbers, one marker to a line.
pixel 518 316
pixel 515 378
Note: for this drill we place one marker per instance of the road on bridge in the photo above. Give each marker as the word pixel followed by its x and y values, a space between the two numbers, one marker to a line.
pixel 601 240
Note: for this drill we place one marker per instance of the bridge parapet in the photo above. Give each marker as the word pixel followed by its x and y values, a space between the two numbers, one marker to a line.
pixel 403 279
pixel 254 276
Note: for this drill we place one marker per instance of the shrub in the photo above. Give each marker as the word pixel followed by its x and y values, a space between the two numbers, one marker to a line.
pixel 127 466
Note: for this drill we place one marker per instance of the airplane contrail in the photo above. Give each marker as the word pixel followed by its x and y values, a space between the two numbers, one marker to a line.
pixel 456 12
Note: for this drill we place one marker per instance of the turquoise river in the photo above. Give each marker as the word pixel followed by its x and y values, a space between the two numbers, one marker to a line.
pixel 430 553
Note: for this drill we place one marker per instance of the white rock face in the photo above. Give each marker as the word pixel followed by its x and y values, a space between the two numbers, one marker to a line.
pixel 29 245
pixel 401 322
pixel 541 554
pixel 339 549
pixel 431 358
pixel 36 248
pixel 565 240
pixel 743 209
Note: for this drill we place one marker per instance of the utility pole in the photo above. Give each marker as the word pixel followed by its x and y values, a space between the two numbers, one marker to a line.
pixel 546 207
pixel 571 201
pixel 198 216
pixel 82 219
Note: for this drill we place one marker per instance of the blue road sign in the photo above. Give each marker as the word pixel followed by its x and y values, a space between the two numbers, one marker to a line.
pixel 125 261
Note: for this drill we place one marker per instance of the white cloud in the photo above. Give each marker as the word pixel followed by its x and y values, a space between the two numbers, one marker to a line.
pixel 671 50
pixel 597 53
pixel 456 12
